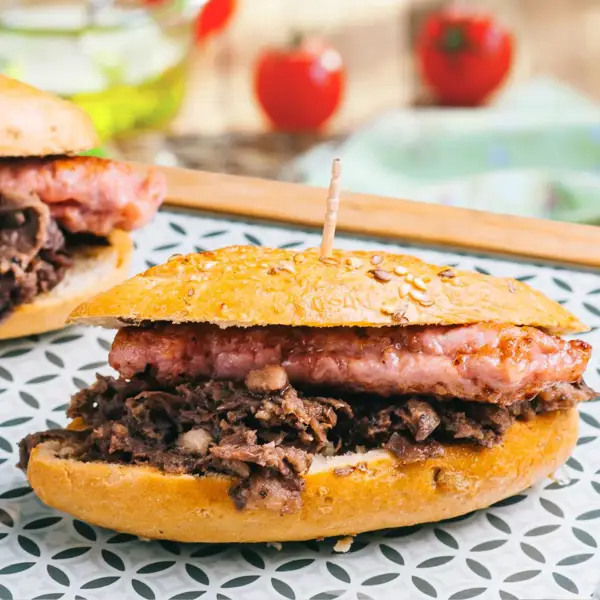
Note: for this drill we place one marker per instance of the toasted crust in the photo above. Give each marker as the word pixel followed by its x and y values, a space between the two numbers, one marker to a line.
pixel 36 123
pixel 246 285
pixel 147 503
pixel 95 269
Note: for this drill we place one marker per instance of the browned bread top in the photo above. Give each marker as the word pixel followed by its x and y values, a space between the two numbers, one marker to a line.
pixel 37 123
pixel 248 285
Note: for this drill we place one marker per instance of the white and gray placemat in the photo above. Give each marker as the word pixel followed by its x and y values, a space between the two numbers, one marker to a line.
pixel 542 543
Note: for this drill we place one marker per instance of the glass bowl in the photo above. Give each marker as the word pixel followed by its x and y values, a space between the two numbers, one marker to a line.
pixel 125 62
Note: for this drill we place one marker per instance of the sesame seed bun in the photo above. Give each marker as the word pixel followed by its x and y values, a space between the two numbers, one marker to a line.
pixel 384 493
pixel 95 269
pixel 36 123
pixel 247 286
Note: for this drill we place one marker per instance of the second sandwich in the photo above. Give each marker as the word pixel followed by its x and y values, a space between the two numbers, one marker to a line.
pixel 271 395
pixel 63 218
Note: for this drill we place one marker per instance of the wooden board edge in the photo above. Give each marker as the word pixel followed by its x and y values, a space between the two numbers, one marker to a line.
pixel 394 219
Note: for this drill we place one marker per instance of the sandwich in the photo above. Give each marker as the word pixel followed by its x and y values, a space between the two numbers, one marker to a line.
pixel 64 218
pixel 273 395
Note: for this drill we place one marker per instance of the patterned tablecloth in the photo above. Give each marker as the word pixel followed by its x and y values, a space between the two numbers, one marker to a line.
pixel 542 543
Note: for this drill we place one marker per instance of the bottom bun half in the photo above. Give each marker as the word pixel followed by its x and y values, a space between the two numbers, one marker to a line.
pixel 150 504
pixel 95 269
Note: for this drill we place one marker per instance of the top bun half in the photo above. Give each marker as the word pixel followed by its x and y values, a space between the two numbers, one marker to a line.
pixel 36 123
pixel 247 285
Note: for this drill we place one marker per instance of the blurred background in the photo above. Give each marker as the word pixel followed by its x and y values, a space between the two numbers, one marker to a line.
pixel 490 104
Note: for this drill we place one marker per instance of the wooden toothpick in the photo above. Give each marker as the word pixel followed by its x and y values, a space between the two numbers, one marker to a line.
pixel 333 202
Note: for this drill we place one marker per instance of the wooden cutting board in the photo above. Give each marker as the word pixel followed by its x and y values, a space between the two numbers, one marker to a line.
pixel 389 218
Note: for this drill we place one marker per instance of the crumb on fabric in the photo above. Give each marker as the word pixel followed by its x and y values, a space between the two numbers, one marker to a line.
pixel 343 545
pixel 277 545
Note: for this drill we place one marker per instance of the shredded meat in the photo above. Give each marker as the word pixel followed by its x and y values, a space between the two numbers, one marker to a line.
pixel 70 440
pixel 420 418
pixel 500 364
pixel 265 490
pixel 267 440
pixel 564 395
pixel 33 257
pixel 87 194
pixel 410 452
pixel 24 224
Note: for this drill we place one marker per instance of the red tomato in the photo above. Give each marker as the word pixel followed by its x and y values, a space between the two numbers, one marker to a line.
pixel 299 88
pixel 464 56
pixel 214 17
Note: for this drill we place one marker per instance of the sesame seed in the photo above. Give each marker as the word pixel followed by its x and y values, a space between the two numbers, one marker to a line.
pixel 404 289
pixel 419 284
pixel 427 279
pixel 512 288
pixel 390 307
pixel 410 277
pixel 288 266
pixel 344 471
pixel 190 292
pixel 376 259
pixel 447 274
pixel 209 265
pixel 420 297
pixel 380 275
pixel 398 313
pixel 400 316
pixel 416 295
pixel 332 262
pixel 354 263
pixel 400 270
pixel 299 258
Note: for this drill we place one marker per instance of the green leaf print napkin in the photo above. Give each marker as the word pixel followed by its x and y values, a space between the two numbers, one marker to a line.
pixel 535 152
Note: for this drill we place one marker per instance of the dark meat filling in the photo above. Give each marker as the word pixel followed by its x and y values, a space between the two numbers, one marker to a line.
pixel 33 257
pixel 265 433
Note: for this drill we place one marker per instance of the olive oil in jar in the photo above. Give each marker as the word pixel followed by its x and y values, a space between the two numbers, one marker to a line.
pixel 128 69
pixel 123 108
